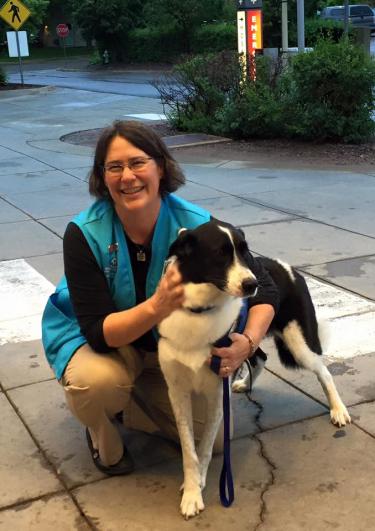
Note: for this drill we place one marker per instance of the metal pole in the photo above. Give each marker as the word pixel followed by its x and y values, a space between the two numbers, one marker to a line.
pixel 284 26
pixel 301 25
pixel 64 51
pixel 346 17
pixel 19 56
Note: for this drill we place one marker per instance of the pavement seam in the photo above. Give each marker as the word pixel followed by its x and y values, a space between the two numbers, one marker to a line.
pixel 19 504
pixel 50 167
pixel 278 209
pixel 306 218
pixel 31 219
pixel 330 282
pixel 326 406
pixel 270 465
pixel 47 460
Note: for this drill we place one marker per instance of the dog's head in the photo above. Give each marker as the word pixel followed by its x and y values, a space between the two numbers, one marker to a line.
pixel 216 254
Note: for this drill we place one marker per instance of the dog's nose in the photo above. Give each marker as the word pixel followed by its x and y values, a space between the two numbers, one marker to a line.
pixel 249 287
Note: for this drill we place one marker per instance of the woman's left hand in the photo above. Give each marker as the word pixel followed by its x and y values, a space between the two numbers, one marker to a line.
pixel 232 357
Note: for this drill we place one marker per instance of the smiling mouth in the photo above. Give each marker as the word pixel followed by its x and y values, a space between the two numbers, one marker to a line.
pixel 132 191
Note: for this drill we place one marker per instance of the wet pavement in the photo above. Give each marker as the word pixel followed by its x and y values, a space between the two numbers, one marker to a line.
pixel 292 469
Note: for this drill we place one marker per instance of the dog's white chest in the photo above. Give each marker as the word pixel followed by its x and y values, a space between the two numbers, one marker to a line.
pixel 188 337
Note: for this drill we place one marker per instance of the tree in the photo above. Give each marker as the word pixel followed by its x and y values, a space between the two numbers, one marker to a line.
pixel 272 19
pixel 38 9
pixel 108 22
pixel 185 15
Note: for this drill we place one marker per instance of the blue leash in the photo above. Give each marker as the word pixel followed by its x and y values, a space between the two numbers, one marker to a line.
pixel 226 487
pixel 226 478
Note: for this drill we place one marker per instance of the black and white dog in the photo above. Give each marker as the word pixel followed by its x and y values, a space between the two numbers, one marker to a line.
pixel 216 267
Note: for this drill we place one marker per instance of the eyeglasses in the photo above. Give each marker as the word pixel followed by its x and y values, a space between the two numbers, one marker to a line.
pixel 135 165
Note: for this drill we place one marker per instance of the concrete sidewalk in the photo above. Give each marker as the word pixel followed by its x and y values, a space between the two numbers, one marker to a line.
pixel 293 470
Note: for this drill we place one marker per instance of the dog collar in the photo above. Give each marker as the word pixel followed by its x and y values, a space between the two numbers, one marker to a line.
pixel 200 309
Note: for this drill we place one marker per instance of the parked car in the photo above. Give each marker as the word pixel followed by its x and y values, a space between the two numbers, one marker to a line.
pixel 359 14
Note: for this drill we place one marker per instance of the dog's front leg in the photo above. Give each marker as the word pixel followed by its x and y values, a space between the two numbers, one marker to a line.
pixel 192 501
pixel 214 397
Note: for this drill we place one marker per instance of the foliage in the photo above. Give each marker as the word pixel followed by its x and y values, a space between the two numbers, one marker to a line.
pixel 38 9
pixel 256 110
pixel 317 29
pixel 95 59
pixel 186 16
pixel 159 44
pixel 166 43
pixel 3 77
pixel 272 20
pixel 229 13
pixel 108 23
pixel 215 37
pixel 326 94
pixel 329 93
pixel 198 88
pixel 54 53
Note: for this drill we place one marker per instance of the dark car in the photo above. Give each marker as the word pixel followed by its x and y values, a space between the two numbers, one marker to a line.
pixel 359 14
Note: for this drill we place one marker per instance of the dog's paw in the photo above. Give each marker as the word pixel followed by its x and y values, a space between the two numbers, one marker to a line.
pixel 240 386
pixel 191 503
pixel 340 415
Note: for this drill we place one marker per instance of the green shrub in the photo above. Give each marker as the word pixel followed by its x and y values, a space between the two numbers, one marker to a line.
pixel 256 110
pixel 96 58
pixel 3 77
pixel 198 88
pixel 329 93
pixel 317 29
pixel 154 44
pixel 215 38
pixel 326 94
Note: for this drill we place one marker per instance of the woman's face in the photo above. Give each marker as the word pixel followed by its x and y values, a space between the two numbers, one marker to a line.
pixel 135 188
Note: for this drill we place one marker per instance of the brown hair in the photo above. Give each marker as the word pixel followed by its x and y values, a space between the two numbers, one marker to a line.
pixel 144 138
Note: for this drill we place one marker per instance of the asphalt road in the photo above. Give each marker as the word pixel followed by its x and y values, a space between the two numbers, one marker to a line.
pixel 128 83
pixel 74 74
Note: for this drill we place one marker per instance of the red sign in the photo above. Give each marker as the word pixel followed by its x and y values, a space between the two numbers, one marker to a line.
pixel 254 30
pixel 62 30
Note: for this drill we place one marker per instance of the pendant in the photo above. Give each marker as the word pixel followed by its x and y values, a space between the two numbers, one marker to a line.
pixel 141 255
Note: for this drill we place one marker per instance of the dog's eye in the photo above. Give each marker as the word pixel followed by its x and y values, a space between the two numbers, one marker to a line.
pixel 224 250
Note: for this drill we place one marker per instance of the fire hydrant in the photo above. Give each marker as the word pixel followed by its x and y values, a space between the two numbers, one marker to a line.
pixel 105 57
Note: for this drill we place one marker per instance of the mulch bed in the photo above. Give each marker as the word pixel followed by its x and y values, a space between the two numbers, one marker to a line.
pixel 315 153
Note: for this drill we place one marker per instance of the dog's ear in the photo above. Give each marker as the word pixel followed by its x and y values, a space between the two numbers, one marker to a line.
pixel 184 245
pixel 241 232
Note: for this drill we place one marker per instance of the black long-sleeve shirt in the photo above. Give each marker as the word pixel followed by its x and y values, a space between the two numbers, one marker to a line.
pixel 91 297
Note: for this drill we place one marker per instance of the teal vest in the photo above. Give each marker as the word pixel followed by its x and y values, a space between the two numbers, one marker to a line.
pixel 61 334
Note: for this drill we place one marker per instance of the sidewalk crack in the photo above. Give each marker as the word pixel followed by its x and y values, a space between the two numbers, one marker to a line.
pixel 270 465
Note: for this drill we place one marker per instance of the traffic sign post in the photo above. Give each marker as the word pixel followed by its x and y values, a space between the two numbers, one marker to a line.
pixel 15 13
pixel 62 31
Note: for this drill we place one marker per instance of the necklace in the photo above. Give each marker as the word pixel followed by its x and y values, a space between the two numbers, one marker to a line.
pixel 141 253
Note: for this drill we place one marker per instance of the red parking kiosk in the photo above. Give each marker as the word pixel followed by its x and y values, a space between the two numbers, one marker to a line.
pixel 249 32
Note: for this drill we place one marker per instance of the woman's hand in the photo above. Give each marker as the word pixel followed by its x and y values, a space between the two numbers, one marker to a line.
pixel 169 295
pixel 232 357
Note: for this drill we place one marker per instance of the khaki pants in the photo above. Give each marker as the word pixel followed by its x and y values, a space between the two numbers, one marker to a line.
pixel 97 386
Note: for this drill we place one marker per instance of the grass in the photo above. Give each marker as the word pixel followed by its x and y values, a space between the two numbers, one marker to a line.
pixel 40 54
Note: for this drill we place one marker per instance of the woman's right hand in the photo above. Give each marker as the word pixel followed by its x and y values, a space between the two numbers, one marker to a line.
pixel 169 295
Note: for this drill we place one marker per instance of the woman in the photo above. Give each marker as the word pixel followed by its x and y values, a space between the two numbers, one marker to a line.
pixel 99 326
